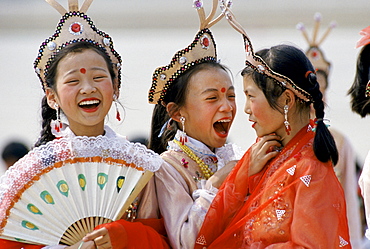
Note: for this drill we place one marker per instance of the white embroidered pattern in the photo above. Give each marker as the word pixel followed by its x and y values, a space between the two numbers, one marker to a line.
pixel 279 213
pixel 201 240
pixel 306 180
pixel 43 158
pixel 291 170
pixel 342 242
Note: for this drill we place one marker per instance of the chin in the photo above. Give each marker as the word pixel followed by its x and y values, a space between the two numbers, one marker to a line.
pixel 220 143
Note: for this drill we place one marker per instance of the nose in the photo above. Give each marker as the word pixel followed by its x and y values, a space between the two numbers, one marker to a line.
pixel 227 106
pixel 87 87
pixel 247 108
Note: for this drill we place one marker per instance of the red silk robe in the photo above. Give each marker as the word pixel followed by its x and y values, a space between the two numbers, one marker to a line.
pixel 296 201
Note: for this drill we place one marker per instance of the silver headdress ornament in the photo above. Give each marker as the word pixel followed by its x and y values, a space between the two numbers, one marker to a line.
pixel 74 26
pixel 314 53
pixel 259 65
pixel 202 49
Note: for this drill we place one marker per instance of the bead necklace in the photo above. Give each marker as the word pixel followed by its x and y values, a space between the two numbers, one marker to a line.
pixel 203 167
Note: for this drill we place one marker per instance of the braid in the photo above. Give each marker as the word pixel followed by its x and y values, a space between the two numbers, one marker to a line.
pixel 47 114
pixel 159 118
pixel 324 144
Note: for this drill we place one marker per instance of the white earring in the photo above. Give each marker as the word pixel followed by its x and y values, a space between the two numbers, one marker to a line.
pixel 58 123
pixel 118 115
pixel 286 122
pixel 183 137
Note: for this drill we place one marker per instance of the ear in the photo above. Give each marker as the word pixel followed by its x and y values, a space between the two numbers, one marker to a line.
pixel 289 98
pixel 173 111
pixel 115 87
pixel 51 97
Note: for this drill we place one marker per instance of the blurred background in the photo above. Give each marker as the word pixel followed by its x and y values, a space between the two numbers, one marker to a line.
pixel 147 33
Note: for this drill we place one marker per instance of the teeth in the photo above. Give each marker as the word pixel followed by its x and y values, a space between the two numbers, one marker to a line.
pixel 89 102
pixel 224 120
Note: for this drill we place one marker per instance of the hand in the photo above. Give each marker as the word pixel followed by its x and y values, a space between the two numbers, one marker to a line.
pixel 100 237
pixel 219 177
pixel 261 152
pixel 266 148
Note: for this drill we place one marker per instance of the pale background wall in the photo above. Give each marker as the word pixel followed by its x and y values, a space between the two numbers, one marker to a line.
pixel 148 32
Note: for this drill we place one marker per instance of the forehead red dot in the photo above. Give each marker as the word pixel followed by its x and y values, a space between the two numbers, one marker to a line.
pixel 223 89
pixel 83 70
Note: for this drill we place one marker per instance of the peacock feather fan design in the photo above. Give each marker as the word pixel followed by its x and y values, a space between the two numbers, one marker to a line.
pixel 61 190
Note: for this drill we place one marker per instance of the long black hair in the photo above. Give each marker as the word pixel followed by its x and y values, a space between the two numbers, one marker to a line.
pixel 47 113
pixel 293 63
pixel 359 102
pixel 177 94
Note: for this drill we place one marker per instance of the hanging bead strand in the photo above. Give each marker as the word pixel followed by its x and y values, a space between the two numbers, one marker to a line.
pixel 207 172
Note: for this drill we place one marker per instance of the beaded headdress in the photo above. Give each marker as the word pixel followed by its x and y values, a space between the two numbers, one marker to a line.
pixel 74 26
pixel 202 49
pixel 314 53
pixel 259 65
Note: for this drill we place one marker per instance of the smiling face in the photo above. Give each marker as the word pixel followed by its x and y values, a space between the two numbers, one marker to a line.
pixel 84 91
pixel 210 107
pixel 265 120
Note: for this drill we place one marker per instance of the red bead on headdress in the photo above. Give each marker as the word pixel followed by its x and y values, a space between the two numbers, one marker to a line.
pixel 74 26
pixel 314 53
pixel 202 49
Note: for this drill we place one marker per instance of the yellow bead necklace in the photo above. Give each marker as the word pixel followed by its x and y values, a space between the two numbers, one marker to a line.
pixel 207 172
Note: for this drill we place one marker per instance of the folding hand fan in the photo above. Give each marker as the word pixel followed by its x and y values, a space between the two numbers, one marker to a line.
pixel 60 191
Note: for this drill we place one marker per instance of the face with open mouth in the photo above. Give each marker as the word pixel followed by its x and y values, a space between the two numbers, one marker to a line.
pixel 84 91
pixel 210 107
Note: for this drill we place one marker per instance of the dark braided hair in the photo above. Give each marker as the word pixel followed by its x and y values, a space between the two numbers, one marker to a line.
pixel 359 102
pixel 177 94
pixel 293 63
pixel 47 113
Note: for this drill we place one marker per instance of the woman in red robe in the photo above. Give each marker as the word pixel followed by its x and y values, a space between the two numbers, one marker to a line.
pixel 289 196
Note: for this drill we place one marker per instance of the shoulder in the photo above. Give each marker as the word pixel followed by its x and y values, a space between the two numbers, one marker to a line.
pixel 309 165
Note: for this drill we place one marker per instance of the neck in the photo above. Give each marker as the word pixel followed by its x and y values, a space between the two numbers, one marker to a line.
pixel 92 131
pixel 296 126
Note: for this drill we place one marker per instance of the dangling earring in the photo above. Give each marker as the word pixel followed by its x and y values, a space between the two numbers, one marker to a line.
pixel 183 137
pixel 367 89
pixel 118 115
pixel 286 122
pixel 58 123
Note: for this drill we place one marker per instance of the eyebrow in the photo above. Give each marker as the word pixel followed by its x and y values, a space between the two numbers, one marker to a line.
pixel 99 69
pixel 215 90
pixel 93 68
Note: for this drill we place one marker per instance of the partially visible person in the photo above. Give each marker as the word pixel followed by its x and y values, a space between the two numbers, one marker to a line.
pixel 13 151
pixel 194 109
pixel 346 168
pixel 360 103
pixel 289 197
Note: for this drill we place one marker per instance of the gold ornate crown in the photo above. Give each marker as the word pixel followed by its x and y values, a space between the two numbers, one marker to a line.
pixel 259 65
pixel 314 53
pixel 74 26
pixel 202 49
